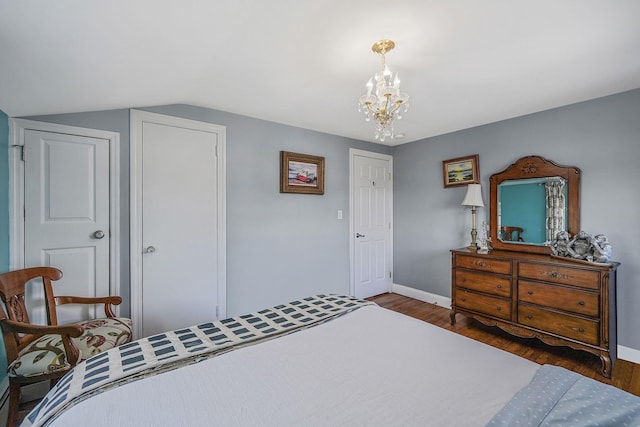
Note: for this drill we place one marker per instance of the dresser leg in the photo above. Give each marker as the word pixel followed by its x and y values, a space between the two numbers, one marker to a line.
pixel 452 316
pixel 605 365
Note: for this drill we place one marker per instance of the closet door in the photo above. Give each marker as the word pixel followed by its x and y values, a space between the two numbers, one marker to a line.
pixel 64 211
pixel 66 215
pixel 178 224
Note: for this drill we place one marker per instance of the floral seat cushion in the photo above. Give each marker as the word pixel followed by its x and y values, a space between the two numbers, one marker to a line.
pixel 46 354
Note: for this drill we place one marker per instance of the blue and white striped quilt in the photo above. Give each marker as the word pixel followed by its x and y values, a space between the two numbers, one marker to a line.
pixel 171 350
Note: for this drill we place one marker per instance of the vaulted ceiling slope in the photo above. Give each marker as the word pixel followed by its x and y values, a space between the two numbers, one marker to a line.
pixel 305 63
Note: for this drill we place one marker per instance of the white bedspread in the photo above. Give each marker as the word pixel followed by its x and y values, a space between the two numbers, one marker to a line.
pixel 371 367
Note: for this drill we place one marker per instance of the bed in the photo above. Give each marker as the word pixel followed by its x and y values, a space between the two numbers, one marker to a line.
pixel 325 360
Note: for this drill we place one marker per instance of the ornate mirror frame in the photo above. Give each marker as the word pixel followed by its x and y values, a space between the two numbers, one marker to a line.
pixel 535 167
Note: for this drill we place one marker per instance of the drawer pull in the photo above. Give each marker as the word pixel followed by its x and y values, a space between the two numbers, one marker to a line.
pixel 463 299
pixel 581 303
pixel 556 275
pixel 530 292
pixel 499 286
pixel 499 308
pixel 581 330
pixel 481 263
pixel 529 317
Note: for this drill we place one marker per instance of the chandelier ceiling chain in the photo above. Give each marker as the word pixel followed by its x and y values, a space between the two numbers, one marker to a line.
pixel 383 101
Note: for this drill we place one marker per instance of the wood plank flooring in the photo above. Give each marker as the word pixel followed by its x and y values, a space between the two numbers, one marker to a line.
pixel 626 375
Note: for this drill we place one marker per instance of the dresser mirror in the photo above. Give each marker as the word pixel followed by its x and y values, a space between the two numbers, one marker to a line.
pixel 531 201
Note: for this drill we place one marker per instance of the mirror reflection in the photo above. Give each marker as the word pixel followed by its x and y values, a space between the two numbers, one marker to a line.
pixel 553 204
pixel 532 211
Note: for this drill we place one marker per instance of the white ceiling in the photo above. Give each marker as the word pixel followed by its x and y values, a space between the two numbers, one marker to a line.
pixel 305 62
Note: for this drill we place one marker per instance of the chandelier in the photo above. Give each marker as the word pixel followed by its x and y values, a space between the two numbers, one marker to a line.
pixel 383 100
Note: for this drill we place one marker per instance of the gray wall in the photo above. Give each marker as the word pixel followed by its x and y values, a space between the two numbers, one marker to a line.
pixel 601 137
pixel 280 247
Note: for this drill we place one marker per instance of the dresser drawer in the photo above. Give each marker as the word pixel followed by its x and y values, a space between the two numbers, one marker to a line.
pixel 574 327
pixel 558 274
pixel 485 304
pixel 563 298
pixel 499 266
pixel 484 282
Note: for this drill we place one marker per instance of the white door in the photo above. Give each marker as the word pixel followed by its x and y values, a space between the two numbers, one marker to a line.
pixel 178 225
pixel 66 217
pixel 371 194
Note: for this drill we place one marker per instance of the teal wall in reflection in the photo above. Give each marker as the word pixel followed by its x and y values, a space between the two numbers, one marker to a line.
pixel 523 205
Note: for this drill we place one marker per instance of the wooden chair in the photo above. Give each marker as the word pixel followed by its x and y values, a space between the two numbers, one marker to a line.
pixel 45 353
pixel 508 234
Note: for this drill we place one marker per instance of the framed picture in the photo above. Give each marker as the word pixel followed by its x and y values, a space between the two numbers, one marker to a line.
pixel 301 173
pixel 461 171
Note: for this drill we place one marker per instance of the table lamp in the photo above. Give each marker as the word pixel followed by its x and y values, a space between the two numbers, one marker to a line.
pixel 473 198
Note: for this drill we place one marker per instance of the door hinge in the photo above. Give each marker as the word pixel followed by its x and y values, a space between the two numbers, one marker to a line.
pixel 389 275
pixel 217 312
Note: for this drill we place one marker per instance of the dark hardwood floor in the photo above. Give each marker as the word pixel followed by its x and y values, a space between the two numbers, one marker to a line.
pixel 626 375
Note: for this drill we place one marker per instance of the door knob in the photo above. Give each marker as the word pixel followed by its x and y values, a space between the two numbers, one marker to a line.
pixel 359 235
pixel 98 234
pixel 149 250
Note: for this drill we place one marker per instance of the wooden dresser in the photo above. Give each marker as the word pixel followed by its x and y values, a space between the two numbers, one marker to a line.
pixel 561 302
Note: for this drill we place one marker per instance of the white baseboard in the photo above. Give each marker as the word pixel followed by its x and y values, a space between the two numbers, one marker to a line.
pixel 625 353
pixel 629 354
pixel 421 295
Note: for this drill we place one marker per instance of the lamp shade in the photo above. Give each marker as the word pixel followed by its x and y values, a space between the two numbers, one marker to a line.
pixel 473 196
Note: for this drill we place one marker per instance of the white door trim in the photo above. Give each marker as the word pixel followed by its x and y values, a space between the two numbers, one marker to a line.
pixel 137 119
pixel 17 128
pixel 353 152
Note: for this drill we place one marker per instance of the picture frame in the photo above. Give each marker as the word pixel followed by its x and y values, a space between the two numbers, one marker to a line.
pixel 461 171
pixel 301 173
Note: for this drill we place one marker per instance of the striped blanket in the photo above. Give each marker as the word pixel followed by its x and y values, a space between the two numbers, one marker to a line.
pixel 171 350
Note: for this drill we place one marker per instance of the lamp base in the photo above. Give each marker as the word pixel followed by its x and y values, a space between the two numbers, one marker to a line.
pixel 474 236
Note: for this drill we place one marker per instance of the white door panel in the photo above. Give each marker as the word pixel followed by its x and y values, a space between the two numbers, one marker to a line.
pixel 178 220
pixel 364 262
pixel 371 188
pixel 178 237
pixel 78 266
pixel 66 187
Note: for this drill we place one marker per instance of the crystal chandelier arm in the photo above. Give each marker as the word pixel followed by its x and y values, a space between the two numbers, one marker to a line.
pixel 396 107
